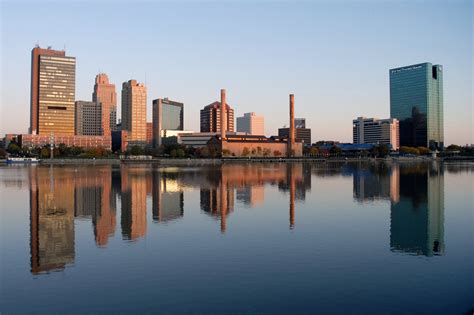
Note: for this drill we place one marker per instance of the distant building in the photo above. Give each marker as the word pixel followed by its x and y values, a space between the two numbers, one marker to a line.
pixel 31 141
pixel 149 133
pixel 167 115
pixel 53 87
pixel 416 100
pixel 300 123
pixel 134 98
pixel 88 118
pixel 251 123
pixel 210 118
pixel 376 131
pixel 104 93
pixel 303 134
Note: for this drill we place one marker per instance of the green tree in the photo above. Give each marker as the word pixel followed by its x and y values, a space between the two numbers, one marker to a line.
pixel 3 153
pixel 180 153
pixel 13 148
pixel 423 150
pixel 44 153
pixel 136 150
pixel 173 153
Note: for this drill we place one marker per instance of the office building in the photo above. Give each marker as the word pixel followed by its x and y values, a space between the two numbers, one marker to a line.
pixel 376 131
pixel 88 118
pixel 53 86
pixel 251 124
pixel 302 133
pixel 134 97
pixel 167 115
pixel 416 100
pixel 104 93
pixel 210 118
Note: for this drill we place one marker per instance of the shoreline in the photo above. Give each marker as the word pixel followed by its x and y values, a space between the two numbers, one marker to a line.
pixel 219 161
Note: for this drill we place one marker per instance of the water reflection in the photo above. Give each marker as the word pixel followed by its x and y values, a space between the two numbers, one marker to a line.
pixel 59 195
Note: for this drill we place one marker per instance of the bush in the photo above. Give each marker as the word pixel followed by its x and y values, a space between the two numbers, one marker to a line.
pixel 13 148
pixel 3 153
pixel 423 150
pixel 137 150
pixel 276 153
pixel 266 152
pixel 44 154
pixel 225 152
pixel 180 153
pixel 245 151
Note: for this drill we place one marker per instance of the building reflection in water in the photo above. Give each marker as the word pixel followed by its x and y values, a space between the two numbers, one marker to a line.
pixel 134 192
pixel 416 194
pixel 168 197
pixel 417 218
pixel 51 219
pixel 59 194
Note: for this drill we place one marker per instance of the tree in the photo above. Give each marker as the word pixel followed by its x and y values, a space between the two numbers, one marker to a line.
pixel 225 152
pixel 13 148
pixel 335 150
pixel 276 153
pixel 136 150
pixel 423 150
pixel 266 152
pixel 314 151
pixel 3 153
pixel 453 147
pixel 173 153
pixel 245 151
pixel 180 153
pixel 44 153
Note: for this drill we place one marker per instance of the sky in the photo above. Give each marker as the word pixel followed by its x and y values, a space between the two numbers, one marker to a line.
pixel 334 56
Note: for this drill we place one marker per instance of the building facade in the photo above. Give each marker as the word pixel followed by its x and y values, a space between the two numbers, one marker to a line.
pixel 416 100
pixel 31 141
pixel 302 134
pixel 53 86
pixel 210 118
pixel 251 123
pixel 134 98
pixel 88 118
pixel 104 93
pixel 167 115
pixel 376 131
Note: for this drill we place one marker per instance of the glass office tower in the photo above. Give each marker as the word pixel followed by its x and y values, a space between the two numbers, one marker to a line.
pixel 416 100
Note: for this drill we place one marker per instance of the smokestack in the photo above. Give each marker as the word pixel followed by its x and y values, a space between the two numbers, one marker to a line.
pixel 223 114
pixel 291 143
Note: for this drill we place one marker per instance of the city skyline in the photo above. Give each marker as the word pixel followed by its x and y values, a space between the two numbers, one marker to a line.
pixel 259 76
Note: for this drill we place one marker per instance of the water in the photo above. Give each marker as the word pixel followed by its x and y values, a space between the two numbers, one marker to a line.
pixel 288 238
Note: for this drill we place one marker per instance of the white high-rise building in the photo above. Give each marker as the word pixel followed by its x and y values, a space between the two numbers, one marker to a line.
pixel 251 124
pixel 376 131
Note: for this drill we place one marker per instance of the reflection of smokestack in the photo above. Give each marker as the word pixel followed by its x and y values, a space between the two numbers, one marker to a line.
pixel 292 197
pixel 223 114
pixel 291 143
pixel 223 200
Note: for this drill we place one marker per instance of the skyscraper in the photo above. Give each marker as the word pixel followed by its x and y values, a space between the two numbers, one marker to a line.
pixel 104 93
pixel 53 86
pixel 251 124
pixel 416 100
pixel 88 118
pixel 210 118
pixel 134 97
pixel 167 115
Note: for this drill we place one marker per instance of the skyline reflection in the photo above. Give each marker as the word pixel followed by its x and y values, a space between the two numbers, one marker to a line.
pixel 59 195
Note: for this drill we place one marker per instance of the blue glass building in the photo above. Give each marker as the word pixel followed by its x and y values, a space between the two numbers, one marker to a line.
pixel 416 100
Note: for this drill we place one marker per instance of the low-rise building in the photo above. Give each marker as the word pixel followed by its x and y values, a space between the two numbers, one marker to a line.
pixel 31 141
pixel 376 131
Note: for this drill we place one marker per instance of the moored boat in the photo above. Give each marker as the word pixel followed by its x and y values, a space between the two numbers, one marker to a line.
pixel 22 160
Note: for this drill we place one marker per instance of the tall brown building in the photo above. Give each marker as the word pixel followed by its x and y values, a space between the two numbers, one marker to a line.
pixel 134 111
pixel 104 93
pixel 53 85
pixel 210 118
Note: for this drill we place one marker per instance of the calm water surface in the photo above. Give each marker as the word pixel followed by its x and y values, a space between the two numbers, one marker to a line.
pixel 289 238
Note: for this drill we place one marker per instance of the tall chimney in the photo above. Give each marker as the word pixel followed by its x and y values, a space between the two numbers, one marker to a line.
pixel 223 114
pixel 291 143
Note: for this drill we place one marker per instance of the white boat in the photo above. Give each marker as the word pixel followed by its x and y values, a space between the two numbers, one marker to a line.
pixel 22 160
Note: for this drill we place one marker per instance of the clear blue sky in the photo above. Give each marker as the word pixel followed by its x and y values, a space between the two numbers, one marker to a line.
pixel 334 56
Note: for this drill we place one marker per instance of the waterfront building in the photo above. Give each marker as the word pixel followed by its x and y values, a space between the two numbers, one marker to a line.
pixel 416 100
pixel 167 115
pixel 134 99
pixel 303 134
pixel 104 93
pixel 251 123
pixel 32 141
pixel 53 86
pixel 376 131
pixel 210 118
pixel 88 118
